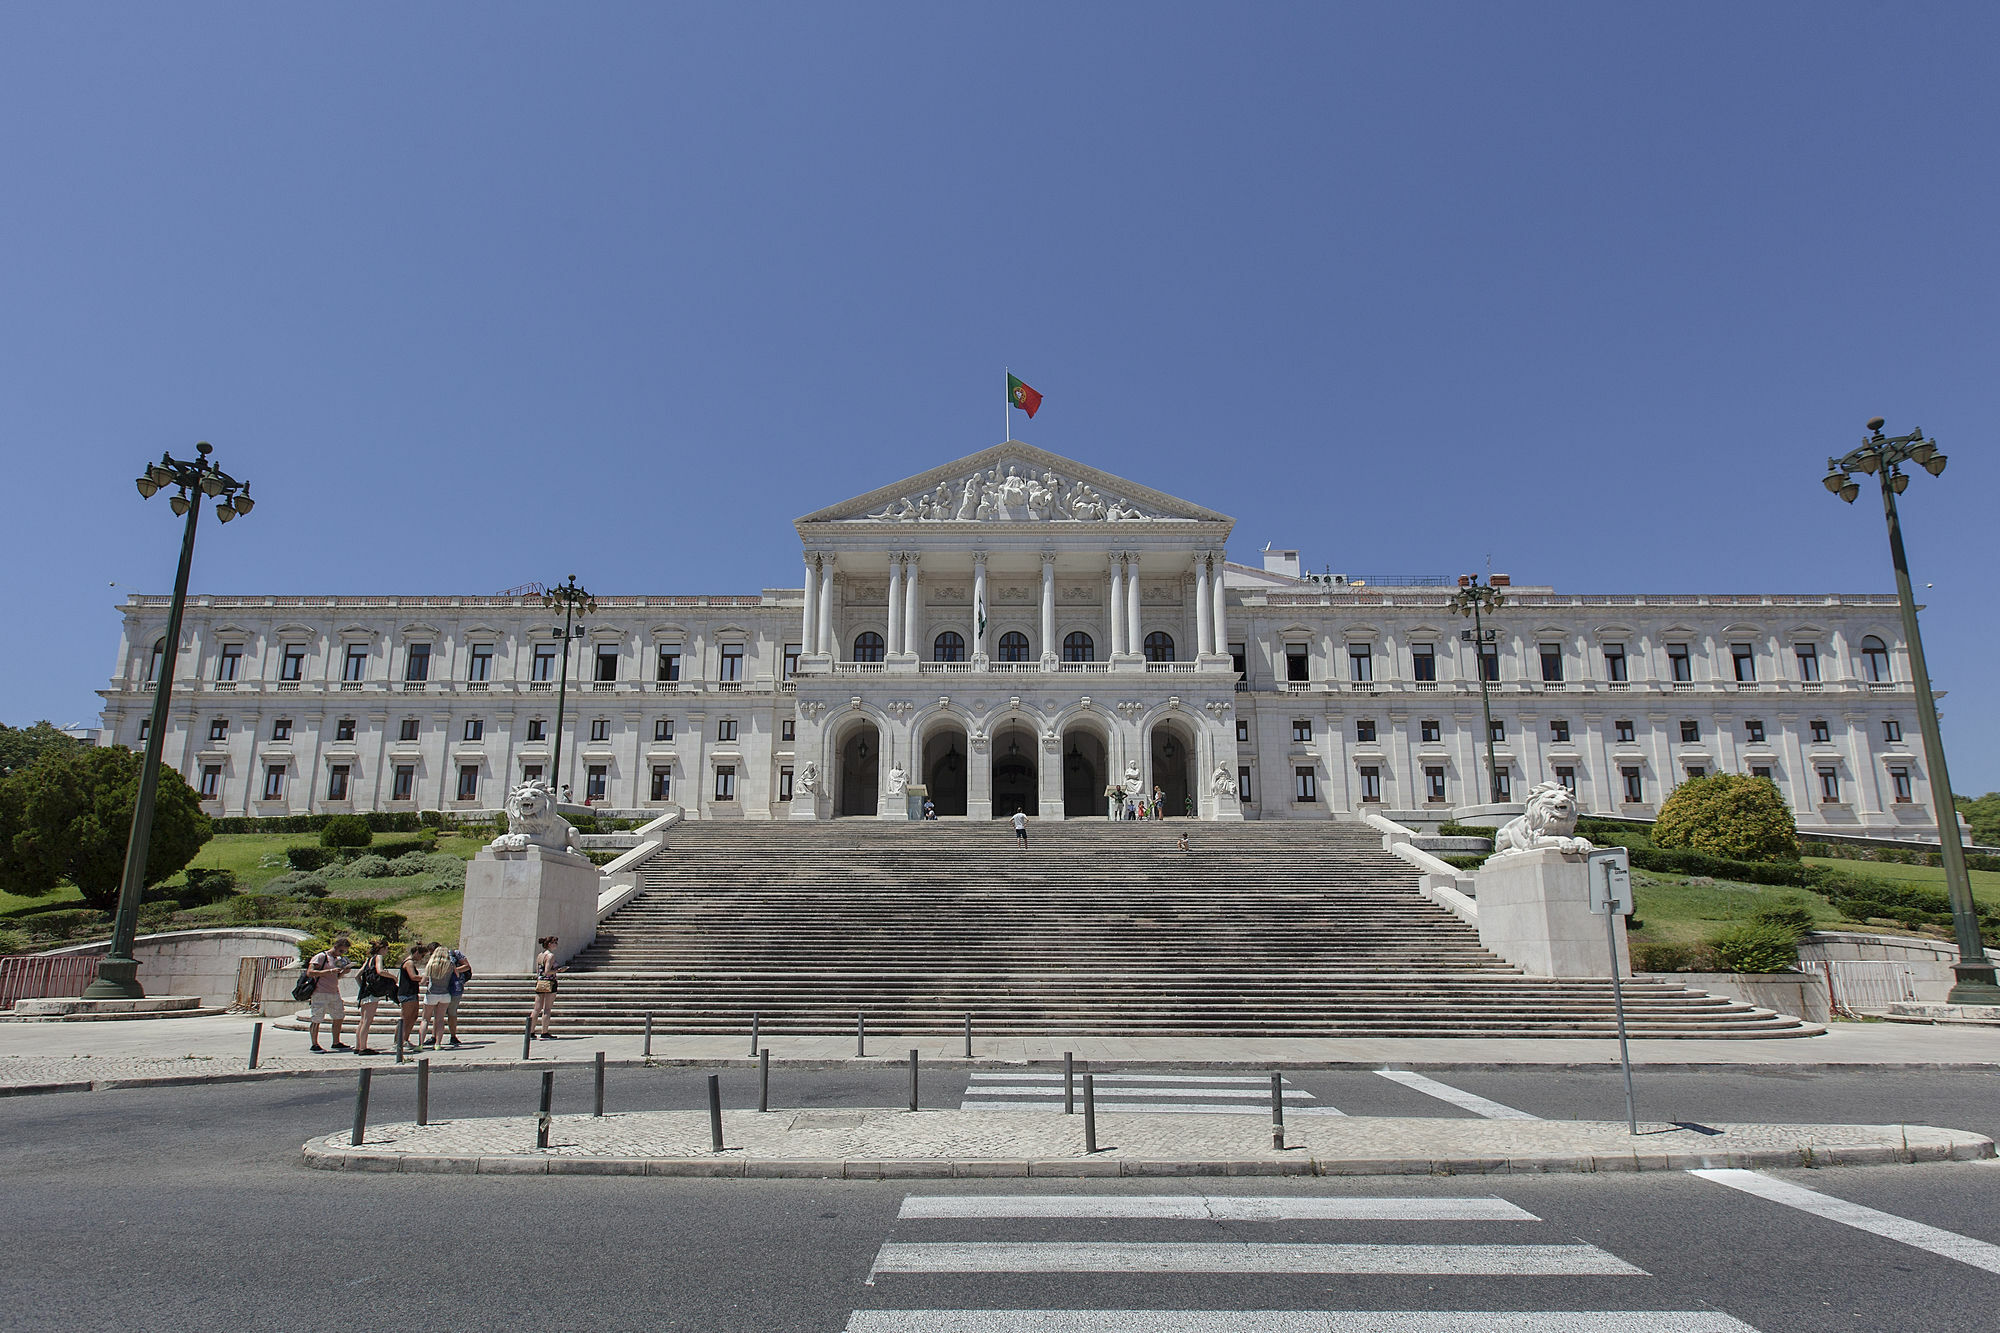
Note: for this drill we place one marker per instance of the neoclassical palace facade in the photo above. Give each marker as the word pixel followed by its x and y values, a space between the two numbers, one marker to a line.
pixel 1017 631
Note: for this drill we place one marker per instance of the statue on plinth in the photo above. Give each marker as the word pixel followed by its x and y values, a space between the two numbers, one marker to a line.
pixel 532 821
pixel 1222 782
pixel 1546 825
pixel 899 781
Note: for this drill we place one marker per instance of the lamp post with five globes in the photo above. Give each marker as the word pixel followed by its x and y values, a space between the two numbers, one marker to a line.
pixel 1884 456
pixel 575 602
pixel 1474 599
pixel 190 481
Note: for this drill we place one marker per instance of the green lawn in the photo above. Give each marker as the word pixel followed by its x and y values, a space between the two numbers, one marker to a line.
pixel 1985 883
pixel 14 904
pixel 1675 912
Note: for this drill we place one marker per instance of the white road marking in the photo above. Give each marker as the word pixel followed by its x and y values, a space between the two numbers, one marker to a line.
pixel 1444 1092
pixel 1252 1094
pixel 1167 1108
pixel 1245 1257
pixel 1221 1207
pixel 1951 1245
pixel 1294 1321
pixel 1263 1080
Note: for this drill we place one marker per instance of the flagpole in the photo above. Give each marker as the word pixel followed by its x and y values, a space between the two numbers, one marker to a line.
pixel 1007 428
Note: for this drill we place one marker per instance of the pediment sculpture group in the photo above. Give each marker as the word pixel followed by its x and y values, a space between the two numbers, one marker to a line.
pixel 991 496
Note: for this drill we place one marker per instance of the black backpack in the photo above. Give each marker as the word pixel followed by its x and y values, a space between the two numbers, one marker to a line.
pixel 303 988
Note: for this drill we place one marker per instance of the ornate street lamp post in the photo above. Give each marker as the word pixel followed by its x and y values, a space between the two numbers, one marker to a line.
pixel 575 602
pixel 1884 455
pixel 1474 599
pixel 118 974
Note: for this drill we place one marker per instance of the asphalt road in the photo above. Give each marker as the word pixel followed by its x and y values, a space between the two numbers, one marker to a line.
pixel 187 1209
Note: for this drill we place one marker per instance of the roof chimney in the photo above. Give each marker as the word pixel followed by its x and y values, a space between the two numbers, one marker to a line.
pixel 1281 562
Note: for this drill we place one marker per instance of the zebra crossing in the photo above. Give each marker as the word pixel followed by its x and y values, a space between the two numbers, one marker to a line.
pixel 1171 1094
pixel 1514 1255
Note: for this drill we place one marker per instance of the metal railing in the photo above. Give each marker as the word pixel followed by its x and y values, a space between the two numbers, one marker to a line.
pixel 42 976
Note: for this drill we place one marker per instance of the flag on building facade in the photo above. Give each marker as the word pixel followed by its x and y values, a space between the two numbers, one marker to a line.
pixel 1023 397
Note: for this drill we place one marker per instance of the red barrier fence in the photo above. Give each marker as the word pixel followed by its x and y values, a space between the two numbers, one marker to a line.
pixel 37 976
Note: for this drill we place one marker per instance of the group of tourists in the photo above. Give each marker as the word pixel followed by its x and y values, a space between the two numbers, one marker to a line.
pixel 1138 806
pixel 425 987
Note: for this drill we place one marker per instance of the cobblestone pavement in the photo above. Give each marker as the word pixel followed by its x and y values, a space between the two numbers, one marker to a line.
pixel 881 1143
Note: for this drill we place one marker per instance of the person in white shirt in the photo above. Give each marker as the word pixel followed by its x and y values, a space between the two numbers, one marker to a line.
pixel 1020 829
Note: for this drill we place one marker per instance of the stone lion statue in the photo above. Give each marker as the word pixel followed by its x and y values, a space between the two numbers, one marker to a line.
pixel 532 821
pixel 1546 825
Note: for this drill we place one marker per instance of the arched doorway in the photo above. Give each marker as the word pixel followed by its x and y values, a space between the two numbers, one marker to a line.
pixel 1084 770
pixel 860 762
pixel 1014 772
pixel 1173 767
pixel 944 770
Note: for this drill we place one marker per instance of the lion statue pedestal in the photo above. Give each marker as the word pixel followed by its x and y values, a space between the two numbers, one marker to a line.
pixel 1534 894
pixel 529 882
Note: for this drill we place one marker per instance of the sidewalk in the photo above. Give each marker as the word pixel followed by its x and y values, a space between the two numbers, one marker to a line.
pixel 944 1144
pixel 40 1057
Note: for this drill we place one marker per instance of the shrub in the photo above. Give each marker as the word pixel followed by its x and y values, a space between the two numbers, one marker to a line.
pixel 583 823
pixel 1667 861
pixel 1755 948
pixel 1665 958
pixel 297 884
pixel 1610 833
pixel 154 915
pixel 205 886
pixel 346 831
pixel 425 842
pixel 1727 815
pixel 367 866
pixel 13 941
pixel 1791 914
pixel 1449 829
pixel 409 863
pixel 66 923
pixel 1457 861
pixel 309 858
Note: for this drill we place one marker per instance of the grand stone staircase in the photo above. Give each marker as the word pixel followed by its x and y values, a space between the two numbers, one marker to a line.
pixel 1098 928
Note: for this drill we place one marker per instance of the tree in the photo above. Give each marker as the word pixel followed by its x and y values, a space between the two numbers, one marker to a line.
pixel 1726 815
pixel 68 816
pixel 22 746
pixel 346 831
pixel 1983 815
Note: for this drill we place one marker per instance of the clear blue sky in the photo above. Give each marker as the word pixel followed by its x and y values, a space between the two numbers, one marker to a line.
pixel 479 294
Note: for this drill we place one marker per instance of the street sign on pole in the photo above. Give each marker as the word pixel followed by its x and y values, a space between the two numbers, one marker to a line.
pixel 1610 874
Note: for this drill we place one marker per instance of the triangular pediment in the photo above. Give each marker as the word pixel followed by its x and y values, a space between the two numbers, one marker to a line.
pixel 1014 483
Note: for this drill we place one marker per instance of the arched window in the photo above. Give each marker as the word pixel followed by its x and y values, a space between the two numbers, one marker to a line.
pixel 159 655
pixel 1875 659
pixel 1159 646
pixel 1077 647
pixel 868 646
pixel 1013 646
pixel 948 647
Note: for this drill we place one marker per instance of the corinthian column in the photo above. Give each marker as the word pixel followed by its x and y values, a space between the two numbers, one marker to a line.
pixel 825 625
pixel 1204 612
pixel 808 639
pixel 913 627
pixel 1048 608
pixel 1117 616
pixel 1221 609
pixel 1133 631
pixel 895 644
pixel 980 617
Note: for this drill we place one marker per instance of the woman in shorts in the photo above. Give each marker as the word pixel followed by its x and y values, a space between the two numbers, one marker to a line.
pixel 437 997
pixel 410 988
pixel 374 984
pixel 545 987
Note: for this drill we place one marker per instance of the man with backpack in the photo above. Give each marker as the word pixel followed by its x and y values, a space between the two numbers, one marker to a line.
pixel 326 968
pixel 461 972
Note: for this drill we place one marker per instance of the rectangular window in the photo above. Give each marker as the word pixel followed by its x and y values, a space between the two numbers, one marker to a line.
pixel 531 772
pixel 600 729
pixel 343 730
pixel 1364 729
pixel 1296 662
pixel 211 781
pixel 1371 784
pixel 663 782
pixel 1360 662
pixel 791 660
pixel 1690 731
pixel 274 782
pixel 784 784
pixel 607 663
pixel 218 729
pixel 336 783
pixel 1552 661
pixel 230 659
pixel 593 783
pixel 1434 785
pixel 356 666
pixel 1745 658
pixel 418 665
pixel 1499 730
pixel 1503 785
pixel 468 782
pixel 1821 734
pixel 1614 662
pixel 1808 661
pixel 293 665
pixel 1696 771
pixel 1559 732
pixel 1624 730
pixel 405 784
pixel 475 730
pixel 1302 729
pixel 725 782
pixel 663 729
pixel 1680 666
pixel 1761 771
pixel 1304 786
pixel 1892 730
pixel 544 667
pixel 1423 662
pixel 731 666
pixel 1242 732
pixel 1566 775
pixel 725 730
pixel 1635 786
pixel 409 730
pixel 1899 779
pixel 481 668
pixel 1753 733
pixel 538 730
pixel 1829 785
pixel 145 729
pixel 1429 730
pixel 788 730
pixel 669 665
pixel 1238 662
pixel 1243 784
pixel 281 730
pixel 1489 661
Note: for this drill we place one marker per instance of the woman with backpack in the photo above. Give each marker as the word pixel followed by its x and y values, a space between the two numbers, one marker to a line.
pixel 410 987
pixel 437 996
pixel 374 984
pixel 545 987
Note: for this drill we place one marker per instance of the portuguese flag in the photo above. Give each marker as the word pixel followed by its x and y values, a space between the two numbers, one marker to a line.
pixel 1023 397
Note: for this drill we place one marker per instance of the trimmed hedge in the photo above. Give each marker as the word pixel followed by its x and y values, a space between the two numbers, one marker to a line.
pixel 379 821
pixel 310 858
pixel 346 831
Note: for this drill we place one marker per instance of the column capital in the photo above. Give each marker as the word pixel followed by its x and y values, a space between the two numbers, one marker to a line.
pixel 910 557
pixel 1048 558
pixel 979 559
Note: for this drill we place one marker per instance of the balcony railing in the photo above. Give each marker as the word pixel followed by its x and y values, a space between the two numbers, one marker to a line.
pixel 1170 666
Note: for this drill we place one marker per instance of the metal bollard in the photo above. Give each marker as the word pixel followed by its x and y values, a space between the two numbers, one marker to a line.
pixel 968 1036
pixel 1089 1114
pixel 913 1080
pixel 597 1105
pixel 1277 1111
pixel 399 1041
pixel 860 1035
pixel 543 1117
pixel 1069 1084
pixel 753 1034
pixel 715 1112
pixel 256 1040
pixel 764 1080
pixel 528 1037
pixel 424 1090
pixel 360 1110
pixel 649 1037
